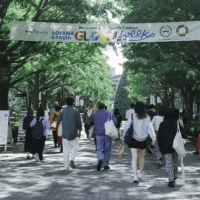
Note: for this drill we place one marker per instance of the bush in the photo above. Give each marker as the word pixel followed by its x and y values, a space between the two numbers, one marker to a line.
pixel 14 127
pixel 192 128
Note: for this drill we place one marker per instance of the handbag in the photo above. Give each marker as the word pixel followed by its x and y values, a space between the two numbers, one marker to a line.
pixel 91 131
pixel 178 143
pixel 129 133
pixel 120 151
pixel 53 125
pixel 60 130
pixel 110 129
pixel 180 149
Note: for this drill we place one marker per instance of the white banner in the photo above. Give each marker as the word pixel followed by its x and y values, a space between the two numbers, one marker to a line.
pixel 4 124
pixel 96 33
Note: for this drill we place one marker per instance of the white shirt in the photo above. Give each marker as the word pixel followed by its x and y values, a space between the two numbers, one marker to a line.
pixel 129 112
pixel 141 128
pixel 89 112
pixel 156 122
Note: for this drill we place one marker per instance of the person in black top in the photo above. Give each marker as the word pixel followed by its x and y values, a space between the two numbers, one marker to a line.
pixel 166 134
pixel 119 120
pixel 28 145
pixel 151 112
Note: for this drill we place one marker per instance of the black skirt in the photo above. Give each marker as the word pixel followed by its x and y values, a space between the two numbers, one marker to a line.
pixel 29 145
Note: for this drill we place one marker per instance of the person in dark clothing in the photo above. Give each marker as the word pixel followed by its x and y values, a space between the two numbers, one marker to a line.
pixel 184 116
pixel 151 112
pixel 166 134
pixel 118 117
pixel 40 143
pixel 28 145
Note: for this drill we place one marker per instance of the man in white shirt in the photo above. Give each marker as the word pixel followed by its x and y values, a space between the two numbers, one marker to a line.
pixel 130 111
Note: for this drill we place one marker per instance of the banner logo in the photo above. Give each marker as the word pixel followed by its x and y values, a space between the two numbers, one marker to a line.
pixel 182 30
pixel 165 31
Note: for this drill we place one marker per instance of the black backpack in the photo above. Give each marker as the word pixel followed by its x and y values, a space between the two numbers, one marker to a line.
pixel 38 129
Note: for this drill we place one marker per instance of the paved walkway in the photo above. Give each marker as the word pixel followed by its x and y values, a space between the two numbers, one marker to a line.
pixel 22 179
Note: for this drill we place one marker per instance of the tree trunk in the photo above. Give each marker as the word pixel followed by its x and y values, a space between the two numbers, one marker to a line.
pixel 172 98
pixel 4 89
pixel 44 101
pixel 36 92
pixel 190 106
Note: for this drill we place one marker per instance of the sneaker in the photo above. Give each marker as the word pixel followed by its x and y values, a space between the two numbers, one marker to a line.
pixel 66 168
pixel 106 167
pixel 36 159
pixel 72 164
pixel 135 179
pixel 140 175
pixel 171 184
pixel 159 162
pixel 150 150
pixel 195 153
pixel 28 157
pixel 99 165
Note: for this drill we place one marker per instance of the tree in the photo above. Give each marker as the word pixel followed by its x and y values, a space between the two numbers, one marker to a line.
pixel 80 11
pixel 122 101
pixel 161 59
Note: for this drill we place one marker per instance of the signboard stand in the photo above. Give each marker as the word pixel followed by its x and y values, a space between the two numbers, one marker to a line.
pixel 5 133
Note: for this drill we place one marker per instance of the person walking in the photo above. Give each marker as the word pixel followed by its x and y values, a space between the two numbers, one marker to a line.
pixel 156 123
pixel 29 142
pixel 119 120
pixel 39 143
pixel 103 141
pixel 87 116
pixel 166 134
pixel 151 111
pixel 52 121
pixel 142 126
pixel 130 111
pixel 71 126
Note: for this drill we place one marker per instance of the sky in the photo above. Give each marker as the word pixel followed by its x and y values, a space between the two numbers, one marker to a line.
pixel 115 60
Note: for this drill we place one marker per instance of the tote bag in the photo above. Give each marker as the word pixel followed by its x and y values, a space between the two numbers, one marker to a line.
pixel 110 129
pixel 178 143
pixel 180 149
pixel 120 151
pixel 53 125
pixel 91 131
pixel 60 130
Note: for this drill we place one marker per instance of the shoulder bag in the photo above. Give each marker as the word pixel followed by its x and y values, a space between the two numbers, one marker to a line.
pixel 180 149
pixel 129 133
pixel 110 129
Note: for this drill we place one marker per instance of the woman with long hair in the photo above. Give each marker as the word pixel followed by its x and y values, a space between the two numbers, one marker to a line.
pixel 28 145
pixel 142 126
pixel 40 142
pixel 119 120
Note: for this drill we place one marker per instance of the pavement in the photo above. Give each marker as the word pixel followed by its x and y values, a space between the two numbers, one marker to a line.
pixel 22 179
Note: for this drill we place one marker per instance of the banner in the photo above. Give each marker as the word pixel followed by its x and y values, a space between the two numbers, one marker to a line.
pixel 97 33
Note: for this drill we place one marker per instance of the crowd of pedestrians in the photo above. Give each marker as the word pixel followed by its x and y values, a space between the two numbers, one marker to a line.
pixel 151 131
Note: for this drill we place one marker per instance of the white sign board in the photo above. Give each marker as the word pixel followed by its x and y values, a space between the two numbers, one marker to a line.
pixel 81 102
pixel 98 33
pixel 4 123
pixel 77 98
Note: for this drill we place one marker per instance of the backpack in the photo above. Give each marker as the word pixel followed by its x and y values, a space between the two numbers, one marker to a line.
pixel 38 129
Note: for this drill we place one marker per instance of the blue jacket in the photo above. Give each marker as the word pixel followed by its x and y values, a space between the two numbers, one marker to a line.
pixel 99 118
pixel 71 122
